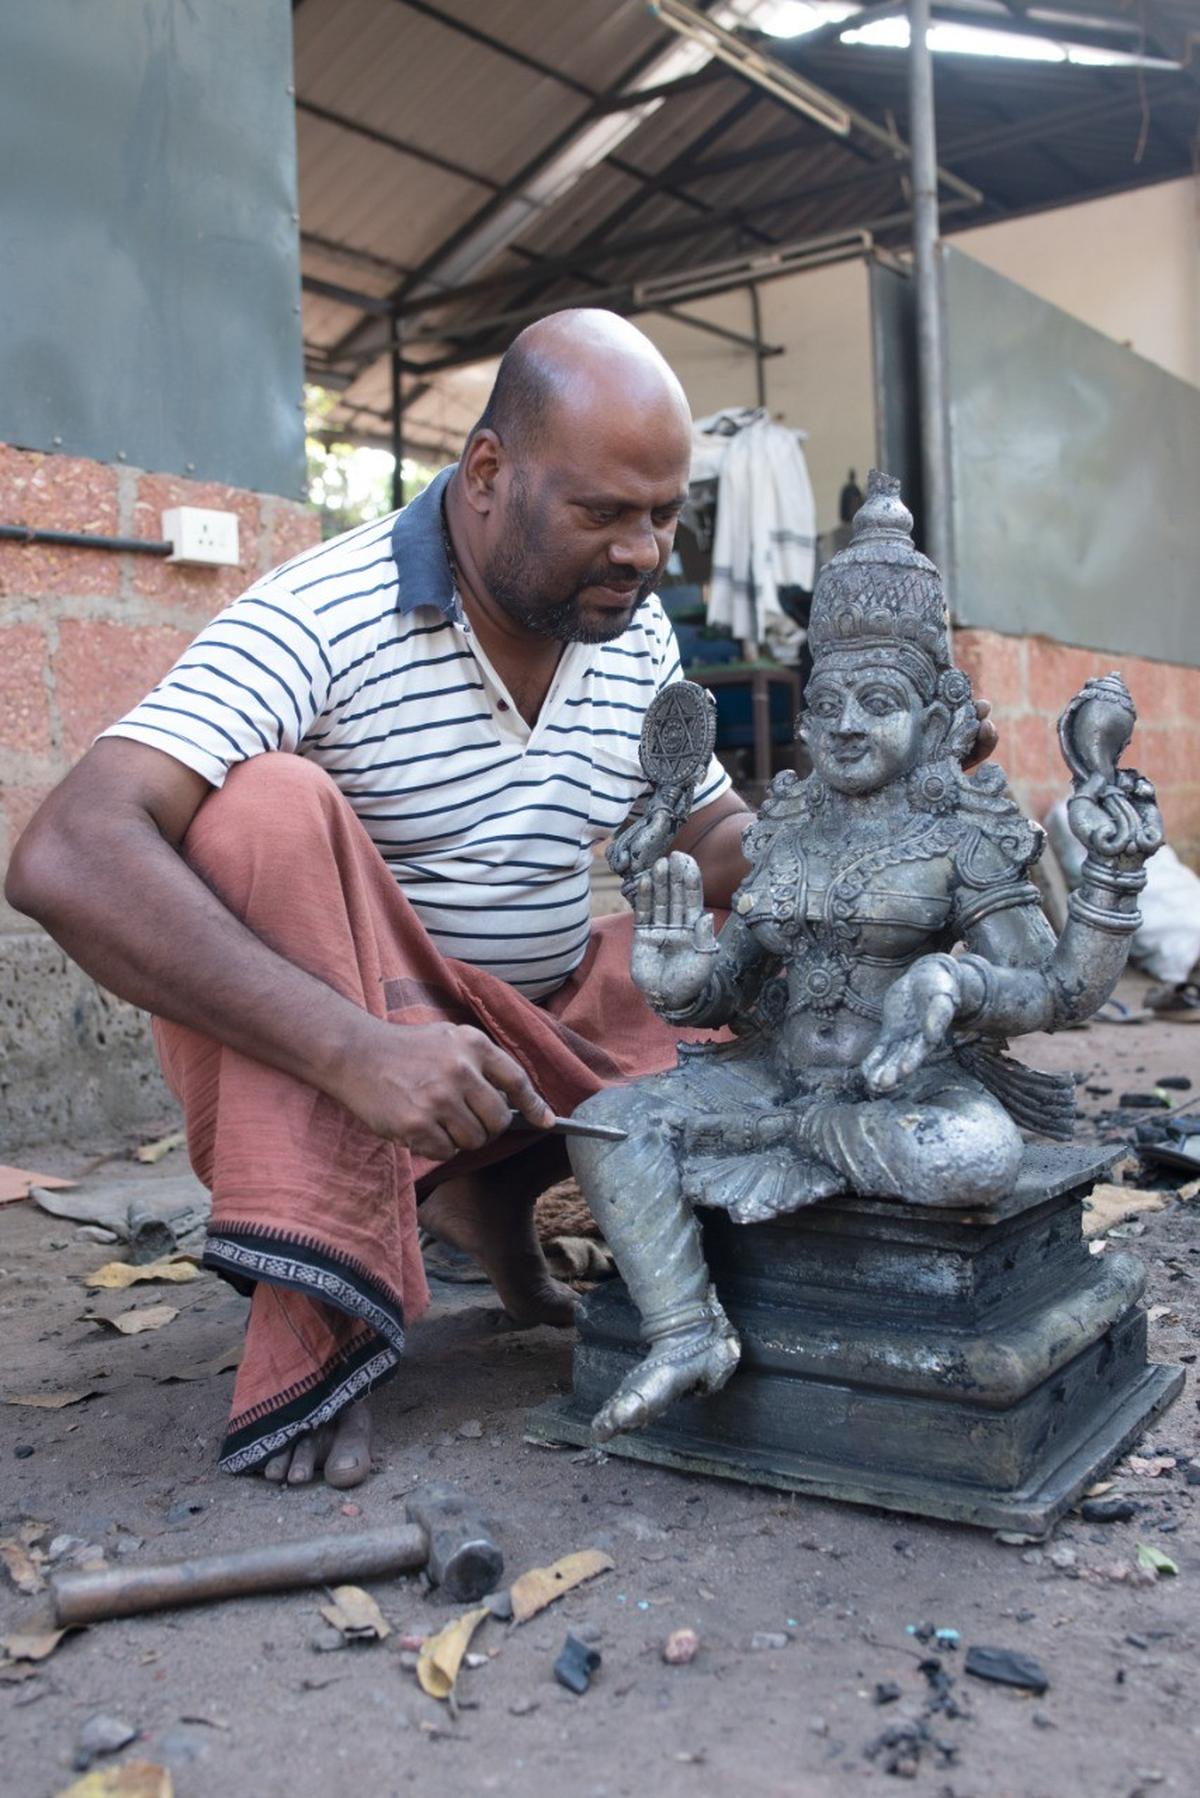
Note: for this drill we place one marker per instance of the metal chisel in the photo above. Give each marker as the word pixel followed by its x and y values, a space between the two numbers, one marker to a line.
pixel 569 1127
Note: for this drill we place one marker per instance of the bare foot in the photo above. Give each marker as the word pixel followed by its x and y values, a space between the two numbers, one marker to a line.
pixel 699 1359
pixel 341 1448
pixel 491 1217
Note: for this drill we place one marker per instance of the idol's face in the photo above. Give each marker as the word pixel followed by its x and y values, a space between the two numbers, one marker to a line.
pixel 863 726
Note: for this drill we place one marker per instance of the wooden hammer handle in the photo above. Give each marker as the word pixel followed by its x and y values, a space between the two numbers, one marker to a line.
pixel 321 1560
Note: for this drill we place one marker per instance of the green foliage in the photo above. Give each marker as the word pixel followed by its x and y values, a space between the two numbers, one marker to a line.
pixel 349 484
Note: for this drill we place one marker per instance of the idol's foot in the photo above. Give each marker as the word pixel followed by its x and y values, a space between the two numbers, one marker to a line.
pixel 475 1213
pixel 698 1359
pixel 341 1449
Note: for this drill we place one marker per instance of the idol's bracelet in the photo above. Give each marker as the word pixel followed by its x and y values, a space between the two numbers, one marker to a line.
pixel 1105 897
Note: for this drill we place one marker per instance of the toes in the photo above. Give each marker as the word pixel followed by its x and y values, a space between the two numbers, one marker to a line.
pixel 277 1467
pixel 348 1467
pixel 348 1461
pixel 304 1462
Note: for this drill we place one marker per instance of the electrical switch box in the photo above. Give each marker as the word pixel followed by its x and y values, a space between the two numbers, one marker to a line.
pixel 207 539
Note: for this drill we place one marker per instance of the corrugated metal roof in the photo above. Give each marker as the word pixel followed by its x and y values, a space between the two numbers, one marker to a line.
pixel 417 119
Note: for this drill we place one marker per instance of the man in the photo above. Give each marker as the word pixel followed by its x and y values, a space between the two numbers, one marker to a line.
pixel 341 1011
pixel 364 955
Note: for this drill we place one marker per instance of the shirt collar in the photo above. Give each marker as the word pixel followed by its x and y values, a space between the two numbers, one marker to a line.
pixel 423 573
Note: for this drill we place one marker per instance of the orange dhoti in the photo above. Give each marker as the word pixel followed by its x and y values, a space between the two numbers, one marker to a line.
pixel 313 1214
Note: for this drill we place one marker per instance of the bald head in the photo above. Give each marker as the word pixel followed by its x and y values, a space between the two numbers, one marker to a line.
pixel 570 485
pixel 575 369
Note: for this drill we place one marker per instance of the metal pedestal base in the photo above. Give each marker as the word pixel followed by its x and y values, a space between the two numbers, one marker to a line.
pixel 980 1367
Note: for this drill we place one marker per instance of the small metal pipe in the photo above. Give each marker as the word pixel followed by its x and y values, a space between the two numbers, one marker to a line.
pixel 760 348
pixel 21 533
pixel 931 349
pixel 397 371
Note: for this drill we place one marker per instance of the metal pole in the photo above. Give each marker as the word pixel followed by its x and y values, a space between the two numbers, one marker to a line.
pixel 760 347
pixel 931 354
pixel 397 362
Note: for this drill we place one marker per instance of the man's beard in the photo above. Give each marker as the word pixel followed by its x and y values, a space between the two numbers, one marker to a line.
pixel 512 581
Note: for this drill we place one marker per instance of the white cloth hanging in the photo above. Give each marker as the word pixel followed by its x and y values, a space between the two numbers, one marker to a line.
pixel 765 535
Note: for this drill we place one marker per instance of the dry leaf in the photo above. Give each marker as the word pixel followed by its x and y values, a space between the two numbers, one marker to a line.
pixel 22 1568
pixel 15 1183
pixel 1110 1205
pixel 441 1655
pixel 132 1323
pixel 1100 1488
pixel 1150 1466
pixel 50 1401
pixel 542 1585
pixel 14 1673
pixel 32 1644
pixel 114 1276
pixel 1162 1314
pixel 355 1613
pixel 205 1370
pixel 154 1151
pixel 132 1779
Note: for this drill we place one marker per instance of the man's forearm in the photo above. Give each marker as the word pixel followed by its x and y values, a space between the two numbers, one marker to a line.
pixel 145 926
pixel 718 850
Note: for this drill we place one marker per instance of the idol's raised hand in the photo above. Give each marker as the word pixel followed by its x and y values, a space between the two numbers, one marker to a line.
pixel 673 942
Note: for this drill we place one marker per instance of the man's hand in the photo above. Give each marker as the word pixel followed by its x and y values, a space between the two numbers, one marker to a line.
pixel 437 1088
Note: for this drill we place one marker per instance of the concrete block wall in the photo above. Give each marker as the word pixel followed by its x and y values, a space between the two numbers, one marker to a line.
pixel 84 633
pixel 1030 679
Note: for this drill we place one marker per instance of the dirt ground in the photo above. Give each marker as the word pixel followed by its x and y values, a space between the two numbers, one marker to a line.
pixel 239 1697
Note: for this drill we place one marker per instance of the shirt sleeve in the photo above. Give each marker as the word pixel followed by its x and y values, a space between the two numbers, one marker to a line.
pixel 255 679
pixel 668 668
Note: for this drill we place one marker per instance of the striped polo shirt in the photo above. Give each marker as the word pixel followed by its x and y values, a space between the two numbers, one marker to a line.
pixel 358 655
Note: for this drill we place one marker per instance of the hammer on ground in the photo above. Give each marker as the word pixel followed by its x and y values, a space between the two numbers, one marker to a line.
pixel 444 1535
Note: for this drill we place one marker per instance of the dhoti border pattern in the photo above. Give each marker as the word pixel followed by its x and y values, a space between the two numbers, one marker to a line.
pixel 245 1255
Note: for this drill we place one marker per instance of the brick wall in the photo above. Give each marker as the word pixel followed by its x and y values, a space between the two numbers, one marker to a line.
pixel 84 633
pixel 1030 679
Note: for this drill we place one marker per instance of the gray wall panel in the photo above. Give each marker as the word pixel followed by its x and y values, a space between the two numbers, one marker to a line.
pixel 1076 469
pixel 894 373
pixel 150 286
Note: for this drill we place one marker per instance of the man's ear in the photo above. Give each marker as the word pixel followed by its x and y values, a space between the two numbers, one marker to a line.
pixel 480 469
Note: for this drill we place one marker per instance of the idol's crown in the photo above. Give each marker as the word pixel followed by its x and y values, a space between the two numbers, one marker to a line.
pixel 880 588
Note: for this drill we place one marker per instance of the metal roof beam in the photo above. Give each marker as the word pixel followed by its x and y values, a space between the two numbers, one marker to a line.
pixel 479 36
pixel 561 140
pixel 399 144
pixel 348 252
pixel 1035 129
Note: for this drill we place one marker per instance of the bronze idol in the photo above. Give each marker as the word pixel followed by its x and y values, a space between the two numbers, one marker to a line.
pixel 866 1057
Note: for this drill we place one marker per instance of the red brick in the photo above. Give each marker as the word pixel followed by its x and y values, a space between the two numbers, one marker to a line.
pixel 211 588
pixel 1163 692
pixel 24 702
pixel 1058 670
pixel 103 668
pixel 58 493
pixel 1169 754
pixel 996 667
pixel 293 528
pixel 1029 753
